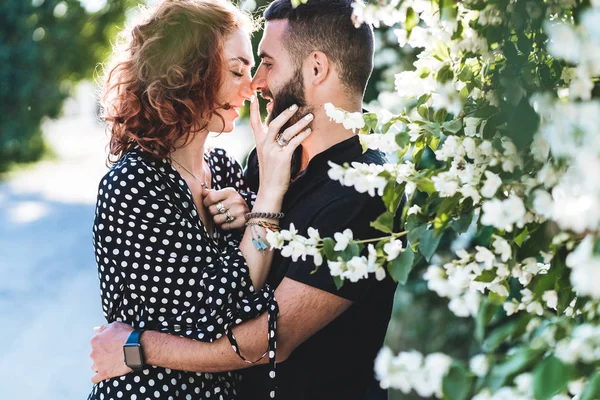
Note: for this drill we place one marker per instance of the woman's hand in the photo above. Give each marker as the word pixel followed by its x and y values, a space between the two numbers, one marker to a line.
pixel 221 202
pixel 107 351
pixel 275 148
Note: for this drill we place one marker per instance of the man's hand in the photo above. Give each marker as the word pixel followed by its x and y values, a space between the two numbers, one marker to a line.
pixel 221 202
pixel 107 351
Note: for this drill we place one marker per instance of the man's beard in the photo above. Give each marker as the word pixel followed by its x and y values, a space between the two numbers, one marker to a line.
pixel 292 92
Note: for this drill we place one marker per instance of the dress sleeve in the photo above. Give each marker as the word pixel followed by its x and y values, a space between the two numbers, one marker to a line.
pixel 231 174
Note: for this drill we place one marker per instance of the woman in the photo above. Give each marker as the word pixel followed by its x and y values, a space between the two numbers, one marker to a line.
pixel 162 263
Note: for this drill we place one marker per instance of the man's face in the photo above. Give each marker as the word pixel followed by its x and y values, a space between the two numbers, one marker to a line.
pixel 278 78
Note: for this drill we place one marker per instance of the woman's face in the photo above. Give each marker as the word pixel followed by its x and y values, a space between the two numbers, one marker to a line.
pixel 236 87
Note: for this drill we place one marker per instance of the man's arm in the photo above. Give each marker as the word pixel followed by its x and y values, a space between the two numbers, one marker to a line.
pixel 303 310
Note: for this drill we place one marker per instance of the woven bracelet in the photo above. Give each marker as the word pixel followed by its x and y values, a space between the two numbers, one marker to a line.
pixel 266 215
pixel 264 224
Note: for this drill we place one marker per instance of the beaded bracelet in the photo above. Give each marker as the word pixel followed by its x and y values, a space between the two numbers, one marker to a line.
pixel 267 215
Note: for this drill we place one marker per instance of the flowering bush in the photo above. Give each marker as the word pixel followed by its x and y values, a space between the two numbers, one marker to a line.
pixel 496 152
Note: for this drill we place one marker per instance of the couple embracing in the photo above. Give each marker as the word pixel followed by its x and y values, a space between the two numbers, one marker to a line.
pixel 198 305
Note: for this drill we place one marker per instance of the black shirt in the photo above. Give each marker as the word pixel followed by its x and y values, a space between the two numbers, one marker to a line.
pixel 336 362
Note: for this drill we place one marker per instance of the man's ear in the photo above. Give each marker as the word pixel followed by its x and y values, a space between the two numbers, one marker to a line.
pixel 319 67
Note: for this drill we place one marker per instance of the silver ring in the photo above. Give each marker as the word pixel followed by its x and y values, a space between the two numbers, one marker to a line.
pixel 228 217
pixel 221 208
pixel 281 141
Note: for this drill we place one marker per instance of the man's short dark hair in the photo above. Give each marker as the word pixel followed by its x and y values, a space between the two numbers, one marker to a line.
pixel 326 25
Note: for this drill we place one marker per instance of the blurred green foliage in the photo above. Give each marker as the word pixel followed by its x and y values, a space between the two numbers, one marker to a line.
pixel 46 46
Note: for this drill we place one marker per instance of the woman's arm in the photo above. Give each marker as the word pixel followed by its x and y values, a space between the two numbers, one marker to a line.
pixel 275 162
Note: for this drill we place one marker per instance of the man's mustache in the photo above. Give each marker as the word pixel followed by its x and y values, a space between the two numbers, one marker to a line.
pixel 266 93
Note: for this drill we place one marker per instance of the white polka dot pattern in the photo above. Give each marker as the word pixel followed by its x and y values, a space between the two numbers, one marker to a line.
pixel 160 270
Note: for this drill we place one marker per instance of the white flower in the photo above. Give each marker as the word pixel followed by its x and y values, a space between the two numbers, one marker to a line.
pixel 564 42
pixel 448 98
pixel 353 121
pixel 314 237
pixel 467 305
pixel 479 365
pixel 470 191
pixel 471 125
pixel 336 268
pixel 274 239
pixel 540 148
pixel 503 214
pixel 510 308
pixel 485 256
pixel 294 249
pixel 502 248
pixel 334 113
pixel 491 184
pixel 446 184
pixel 356 269
pixel 392 249
pixel 413 210
pixel 551 298
pixel 542 203
pixel 342 239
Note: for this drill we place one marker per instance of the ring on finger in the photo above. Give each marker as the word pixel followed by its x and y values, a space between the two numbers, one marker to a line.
pixel 221 208
pixel 228 217
pixel 281 141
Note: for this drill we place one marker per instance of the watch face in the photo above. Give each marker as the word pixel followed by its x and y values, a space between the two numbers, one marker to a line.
pixel 133 356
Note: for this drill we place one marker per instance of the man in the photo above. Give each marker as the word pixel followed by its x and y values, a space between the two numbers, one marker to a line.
pixel 327 339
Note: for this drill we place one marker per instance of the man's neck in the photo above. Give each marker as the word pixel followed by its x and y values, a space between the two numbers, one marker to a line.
pixel 325 134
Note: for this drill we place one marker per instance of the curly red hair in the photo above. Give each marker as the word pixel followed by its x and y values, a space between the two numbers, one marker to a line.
pixel 162 85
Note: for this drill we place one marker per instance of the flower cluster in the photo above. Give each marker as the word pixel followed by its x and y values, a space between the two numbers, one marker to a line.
pixel 409 371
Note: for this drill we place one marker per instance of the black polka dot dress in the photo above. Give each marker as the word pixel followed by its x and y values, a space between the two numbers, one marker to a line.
pixel 160 269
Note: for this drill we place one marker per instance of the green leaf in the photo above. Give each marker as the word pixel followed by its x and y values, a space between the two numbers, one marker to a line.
pixel 445 74
pixel 352 250
pixel 550 377
pixel 425 185
pixel 428 243
pixel 457 382
pixel 440 115
pixel 462 224
pixel 338 282
pixel 328 245
pixel 392 196
pixel 384 223
pixel 370 120
pixel 415 233
pixel 521 359
pixel 497 299
pixel 592 389
pixel 412 20
pixel 433 129
pixel 486 276
pixel 499 335
pixel 484 315
pixel 521 237
pixel 402 139
pixel 423 111
pixel 453 126
pixel 401 266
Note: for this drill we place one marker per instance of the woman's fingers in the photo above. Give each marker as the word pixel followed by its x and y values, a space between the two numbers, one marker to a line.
pixel 278 122
pixel 297 140
pixel 295 129
pixel 255 121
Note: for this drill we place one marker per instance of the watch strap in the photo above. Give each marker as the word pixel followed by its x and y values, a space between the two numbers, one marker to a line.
pixel 134 337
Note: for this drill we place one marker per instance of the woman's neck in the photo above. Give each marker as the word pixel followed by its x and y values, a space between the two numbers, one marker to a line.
pixel 191 155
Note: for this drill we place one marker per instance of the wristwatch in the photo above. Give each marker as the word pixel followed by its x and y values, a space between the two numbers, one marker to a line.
pixel 132 350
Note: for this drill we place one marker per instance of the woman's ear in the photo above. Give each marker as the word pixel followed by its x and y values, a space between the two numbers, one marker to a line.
pixel 319 67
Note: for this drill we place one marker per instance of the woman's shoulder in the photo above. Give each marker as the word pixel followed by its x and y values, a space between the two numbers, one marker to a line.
pixel 135 172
